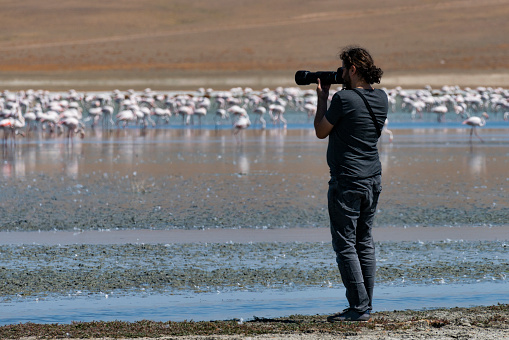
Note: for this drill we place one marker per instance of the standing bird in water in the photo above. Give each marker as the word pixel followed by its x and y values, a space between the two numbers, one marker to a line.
pixel 240 123
pixel 387 131
pixel 474 122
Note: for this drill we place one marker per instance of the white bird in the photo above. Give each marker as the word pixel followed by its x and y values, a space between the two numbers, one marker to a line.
pixel 276 112
pixel 221 114
pixel 186 112
pixel 259 112
pixel 387 131
pixel 200 112
pixel 310 109
pixel 125 116
pixel 73 125
pixel 95 114
pixel 474 122
pixel 12 125
pixel 240 124
pixel 162 114
pixel 441 110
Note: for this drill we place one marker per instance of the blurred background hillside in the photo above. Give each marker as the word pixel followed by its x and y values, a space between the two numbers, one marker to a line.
pixel 179 44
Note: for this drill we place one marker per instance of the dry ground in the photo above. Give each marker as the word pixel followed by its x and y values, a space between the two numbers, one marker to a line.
pixel 178 44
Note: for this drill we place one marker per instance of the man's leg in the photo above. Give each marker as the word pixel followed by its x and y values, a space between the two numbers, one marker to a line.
pixel 365 244
pixel 344 211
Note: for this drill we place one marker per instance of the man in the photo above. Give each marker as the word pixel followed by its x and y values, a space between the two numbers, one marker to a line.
pixel 355 169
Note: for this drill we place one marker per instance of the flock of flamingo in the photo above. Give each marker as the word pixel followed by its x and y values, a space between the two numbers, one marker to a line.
pixel 71 113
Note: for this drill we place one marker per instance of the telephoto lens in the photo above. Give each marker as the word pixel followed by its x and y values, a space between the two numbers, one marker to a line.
pixel 326 77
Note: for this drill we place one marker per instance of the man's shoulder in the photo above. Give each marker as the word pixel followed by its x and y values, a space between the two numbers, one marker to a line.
pixel 345 95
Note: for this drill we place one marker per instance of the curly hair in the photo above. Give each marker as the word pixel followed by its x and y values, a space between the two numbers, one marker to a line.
pixel 362 60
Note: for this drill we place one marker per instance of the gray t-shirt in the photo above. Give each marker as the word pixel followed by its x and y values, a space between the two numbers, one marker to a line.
pixel 352 152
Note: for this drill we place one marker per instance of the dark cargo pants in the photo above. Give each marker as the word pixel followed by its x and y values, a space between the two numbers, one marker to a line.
pixel 352 207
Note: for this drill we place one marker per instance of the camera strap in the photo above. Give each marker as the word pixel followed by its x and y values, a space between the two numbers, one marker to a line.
pixel 373 118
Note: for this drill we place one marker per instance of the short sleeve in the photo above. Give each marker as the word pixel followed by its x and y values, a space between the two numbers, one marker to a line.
pixel 335 109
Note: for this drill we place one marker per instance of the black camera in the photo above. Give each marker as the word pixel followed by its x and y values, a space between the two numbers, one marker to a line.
pixel 326 77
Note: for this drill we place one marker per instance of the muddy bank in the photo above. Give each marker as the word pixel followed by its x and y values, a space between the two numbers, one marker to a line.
pixel 203 267
pixel 115 201
pixel 457 323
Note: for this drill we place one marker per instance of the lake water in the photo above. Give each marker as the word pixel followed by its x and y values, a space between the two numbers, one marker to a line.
pixel 187 179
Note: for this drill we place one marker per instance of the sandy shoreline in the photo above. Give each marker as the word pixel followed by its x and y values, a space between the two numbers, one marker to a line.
pixel 257 80
pixel 455 323
pixel 247 235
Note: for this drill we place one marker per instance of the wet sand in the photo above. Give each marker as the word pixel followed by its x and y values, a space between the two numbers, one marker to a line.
pixel 201 179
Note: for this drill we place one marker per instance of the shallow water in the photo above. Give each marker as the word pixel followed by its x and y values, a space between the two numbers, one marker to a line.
pixel 245 305
pixel 197 178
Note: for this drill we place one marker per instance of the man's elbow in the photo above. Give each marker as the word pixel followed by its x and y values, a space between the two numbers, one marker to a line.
pixel 320 134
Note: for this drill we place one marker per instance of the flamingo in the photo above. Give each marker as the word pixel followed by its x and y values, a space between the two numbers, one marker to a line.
pixel 95 114
pixel 310 109
pixel 11 126
pixel 73 125
pixel 276 112
pixel 125 116
pixel 6 125
pixel 259 112
pixel 441 110
pixel 200 112
pixel 221 114
pixel 146 113
pixel 50 118
pixel 387 131
pixel 161 113
pixel 240 124
pixel 475 122
pixel 186 112
pixel 107 112
pixel 31 118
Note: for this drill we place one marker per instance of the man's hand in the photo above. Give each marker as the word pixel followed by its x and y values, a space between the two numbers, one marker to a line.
pixel 322 91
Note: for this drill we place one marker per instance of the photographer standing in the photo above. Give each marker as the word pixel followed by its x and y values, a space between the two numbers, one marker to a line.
pixel 353 124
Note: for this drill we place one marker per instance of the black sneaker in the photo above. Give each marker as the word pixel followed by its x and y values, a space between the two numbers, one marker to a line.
pixel 349 315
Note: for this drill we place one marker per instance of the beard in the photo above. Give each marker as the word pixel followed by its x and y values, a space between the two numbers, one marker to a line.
pixel 347 82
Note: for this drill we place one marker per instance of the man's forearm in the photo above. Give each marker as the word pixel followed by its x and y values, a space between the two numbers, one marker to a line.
pixel 321 109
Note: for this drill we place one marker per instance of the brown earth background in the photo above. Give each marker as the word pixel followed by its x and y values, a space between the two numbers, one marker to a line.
pixel 187 44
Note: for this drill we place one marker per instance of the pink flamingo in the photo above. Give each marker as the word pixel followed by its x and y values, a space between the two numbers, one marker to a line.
pixel 200 112
pixel 310 109
pixel 95 114
pixel 11 126
pixel 161 113
pixel 221 114
pixel 240 124
pixel 259 112
pixel 73 126
pixel 387 131
pixel 474 122
pixel 440 110
pixel 125 116
pixel 187 111
pixel 276 112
